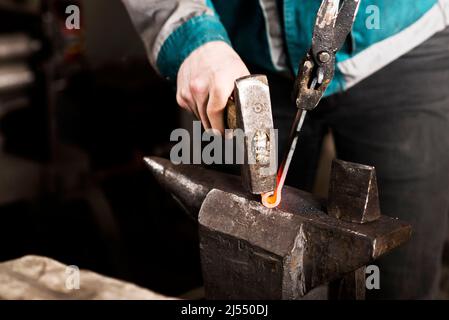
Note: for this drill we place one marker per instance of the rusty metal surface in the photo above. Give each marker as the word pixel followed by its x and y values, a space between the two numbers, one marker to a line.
pixel 353 193
pixel 315 72
pixel 353 197
pixel 345 21
pixel 252 252
pixel 333 24
pixel 307 97
pixel 190 184
pixel 254 117
pixel 351 286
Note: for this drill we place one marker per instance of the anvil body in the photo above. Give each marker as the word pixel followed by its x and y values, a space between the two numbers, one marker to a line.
pixel 252 252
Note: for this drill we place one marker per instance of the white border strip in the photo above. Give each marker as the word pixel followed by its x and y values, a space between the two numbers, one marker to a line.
pixel 274 34
pixel 383 53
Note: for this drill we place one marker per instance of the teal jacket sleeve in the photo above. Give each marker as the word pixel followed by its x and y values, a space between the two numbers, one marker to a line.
pixel 172 29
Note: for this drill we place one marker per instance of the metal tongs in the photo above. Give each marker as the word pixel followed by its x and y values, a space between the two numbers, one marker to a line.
pixel 334 22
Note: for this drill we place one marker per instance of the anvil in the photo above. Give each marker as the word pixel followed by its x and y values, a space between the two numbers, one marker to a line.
pixel 251 252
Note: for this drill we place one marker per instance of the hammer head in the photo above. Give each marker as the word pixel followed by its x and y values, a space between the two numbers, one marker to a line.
pixel 252 114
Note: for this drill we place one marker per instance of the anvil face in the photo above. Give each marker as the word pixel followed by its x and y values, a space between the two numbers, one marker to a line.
pixel 252 252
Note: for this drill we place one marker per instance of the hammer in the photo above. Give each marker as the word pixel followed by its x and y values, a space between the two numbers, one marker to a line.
pixel 250 111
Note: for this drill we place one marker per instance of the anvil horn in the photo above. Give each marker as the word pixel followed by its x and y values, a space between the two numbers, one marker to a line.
pixel 190 184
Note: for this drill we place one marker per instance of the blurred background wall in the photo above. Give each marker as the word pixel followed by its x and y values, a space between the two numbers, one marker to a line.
pixel 78 111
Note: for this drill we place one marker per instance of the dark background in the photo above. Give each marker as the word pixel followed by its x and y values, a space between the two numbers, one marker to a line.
pixel 73 185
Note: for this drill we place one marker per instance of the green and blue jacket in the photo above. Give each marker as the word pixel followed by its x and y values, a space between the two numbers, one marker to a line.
pixel 275 34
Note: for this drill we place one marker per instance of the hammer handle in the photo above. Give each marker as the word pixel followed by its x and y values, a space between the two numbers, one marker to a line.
pixel 231 114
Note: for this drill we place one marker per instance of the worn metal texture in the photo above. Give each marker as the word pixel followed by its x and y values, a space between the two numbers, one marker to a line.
pixel 345 20
pixel 353 193
pixel 334 22
pixel 353 197
pixel 251 252
pixel 254 117
pixel 351 286
pixel 307 96
pixel 190 184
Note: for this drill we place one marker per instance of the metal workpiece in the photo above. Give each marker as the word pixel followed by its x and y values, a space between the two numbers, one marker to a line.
pixel 252 252
pixel 253 116
pixel 353 193
pixel 17 46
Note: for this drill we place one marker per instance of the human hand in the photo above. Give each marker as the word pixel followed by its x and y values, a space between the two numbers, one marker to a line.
pixel 206 81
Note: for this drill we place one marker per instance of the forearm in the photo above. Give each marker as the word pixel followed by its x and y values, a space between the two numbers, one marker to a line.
pixel 172 29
